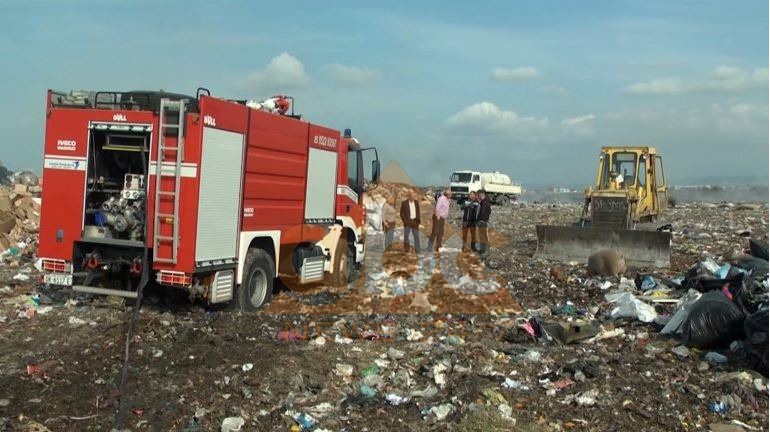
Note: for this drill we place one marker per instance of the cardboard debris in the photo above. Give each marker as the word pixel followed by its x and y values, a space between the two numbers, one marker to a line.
pixel 19 218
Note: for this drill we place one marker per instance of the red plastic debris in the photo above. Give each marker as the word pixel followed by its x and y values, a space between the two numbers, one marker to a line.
pixel 370 335
pixel 289 335
pixel 41 368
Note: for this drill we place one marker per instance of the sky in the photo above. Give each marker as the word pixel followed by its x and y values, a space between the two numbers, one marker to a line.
pixel 531 89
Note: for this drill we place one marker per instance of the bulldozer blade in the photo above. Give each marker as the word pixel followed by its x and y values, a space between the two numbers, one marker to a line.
pixel 568 243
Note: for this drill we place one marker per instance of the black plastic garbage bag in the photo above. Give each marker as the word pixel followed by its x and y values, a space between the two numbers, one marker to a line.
pixel 713 322
pixel 756 328
pixel 757 266
pixel 710 284
pixel 695 275
pixel 758 248
pixel 744 295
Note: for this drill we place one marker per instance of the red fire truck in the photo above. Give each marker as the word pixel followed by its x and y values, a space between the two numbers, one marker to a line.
pixel 210 195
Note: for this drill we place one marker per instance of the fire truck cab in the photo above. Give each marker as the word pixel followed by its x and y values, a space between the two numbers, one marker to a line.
pixel 214 196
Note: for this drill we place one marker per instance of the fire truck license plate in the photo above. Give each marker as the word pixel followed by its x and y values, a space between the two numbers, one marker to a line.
pixel 58 279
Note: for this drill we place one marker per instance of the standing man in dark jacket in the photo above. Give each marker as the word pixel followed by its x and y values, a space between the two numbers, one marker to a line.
pixel 410 216
pixel 469 221
pixel 482 221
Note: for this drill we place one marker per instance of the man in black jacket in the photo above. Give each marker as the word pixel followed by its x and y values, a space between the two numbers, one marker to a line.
pixel 482 220
pixel 469 221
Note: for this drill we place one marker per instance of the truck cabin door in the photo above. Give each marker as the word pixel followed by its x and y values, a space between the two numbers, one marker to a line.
pixel 643 187
pixel 355 177
pixel 659 180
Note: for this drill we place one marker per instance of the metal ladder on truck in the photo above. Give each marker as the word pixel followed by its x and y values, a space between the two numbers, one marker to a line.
pixel 168 106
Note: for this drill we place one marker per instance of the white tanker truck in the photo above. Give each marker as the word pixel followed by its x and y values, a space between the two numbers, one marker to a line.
pixel 499 187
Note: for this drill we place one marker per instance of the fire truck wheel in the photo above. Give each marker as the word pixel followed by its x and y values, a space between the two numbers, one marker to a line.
pixel 343 264
pixel 257 287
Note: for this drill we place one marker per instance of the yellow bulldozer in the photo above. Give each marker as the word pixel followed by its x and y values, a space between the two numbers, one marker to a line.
pixel 630 192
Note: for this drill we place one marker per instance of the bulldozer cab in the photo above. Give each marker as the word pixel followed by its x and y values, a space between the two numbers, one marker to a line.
pixel 636 172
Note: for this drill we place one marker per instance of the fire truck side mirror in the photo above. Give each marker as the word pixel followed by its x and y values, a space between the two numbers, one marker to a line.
pixel 375 171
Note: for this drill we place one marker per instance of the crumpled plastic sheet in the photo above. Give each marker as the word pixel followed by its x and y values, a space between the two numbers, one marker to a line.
pixel 628 306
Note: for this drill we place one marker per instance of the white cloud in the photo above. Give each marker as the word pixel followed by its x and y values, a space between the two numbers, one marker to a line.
pixel 352 75
pixel 284 72
pixel 486 117
pixel 555 90
pixel 577 126
pixel 720 79
pixel 663 86
pixel 515 74
pixel 574 121
pixel 740 118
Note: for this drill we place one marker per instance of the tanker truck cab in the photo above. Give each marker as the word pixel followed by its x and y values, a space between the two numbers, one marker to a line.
pixel 462 183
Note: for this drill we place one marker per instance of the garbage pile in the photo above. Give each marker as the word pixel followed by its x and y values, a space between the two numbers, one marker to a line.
pixel 20 215
pixel 447 341
pixel 726 307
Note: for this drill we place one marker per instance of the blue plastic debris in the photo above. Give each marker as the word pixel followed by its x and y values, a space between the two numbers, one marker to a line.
pixel 648 283
pixel 723 271
pixel 305 422
pixel 719 407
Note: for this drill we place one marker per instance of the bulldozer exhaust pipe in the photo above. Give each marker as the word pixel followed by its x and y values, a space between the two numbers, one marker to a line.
pixel 640 248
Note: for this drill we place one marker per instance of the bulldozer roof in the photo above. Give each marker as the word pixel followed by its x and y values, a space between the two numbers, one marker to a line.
pixel 643 149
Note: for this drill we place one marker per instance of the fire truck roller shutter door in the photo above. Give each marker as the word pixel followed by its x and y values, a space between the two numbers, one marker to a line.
pixel 321 189
pixel 218 205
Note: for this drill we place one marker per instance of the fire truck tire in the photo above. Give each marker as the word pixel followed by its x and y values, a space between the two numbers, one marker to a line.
pixel 258 280
pixel 342 266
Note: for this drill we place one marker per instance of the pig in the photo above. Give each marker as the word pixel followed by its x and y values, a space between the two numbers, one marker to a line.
pixel 607 262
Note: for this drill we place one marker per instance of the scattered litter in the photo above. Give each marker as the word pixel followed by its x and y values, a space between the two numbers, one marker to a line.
pixel 342 340
pixel 75 321
pixel 681 350
pixel 368 391
pixel 715 358
pixel 232 424
pixel 720 407
pixel 395 399
pixel 514 385
pixel 629 306
pixel 440 412
pixel 413 335
pixel 289 335
pixel 304 421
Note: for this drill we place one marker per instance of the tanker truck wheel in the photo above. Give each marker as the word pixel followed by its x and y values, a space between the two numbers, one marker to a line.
pixel 258 279
pixel 503 200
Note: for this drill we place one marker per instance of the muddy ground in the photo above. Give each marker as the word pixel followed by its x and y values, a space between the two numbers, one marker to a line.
pixel 412 345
